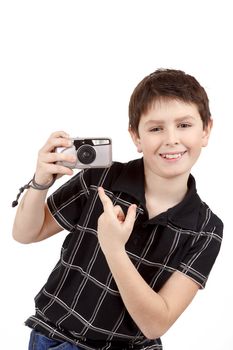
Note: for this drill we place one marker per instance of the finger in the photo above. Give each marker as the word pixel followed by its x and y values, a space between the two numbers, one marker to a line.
pixel 105 200
pixel 53 157
pixel 44 170
pixel 60 169
pixel 60 134
pixel 56 141
pixel 130 217
pixel 119 213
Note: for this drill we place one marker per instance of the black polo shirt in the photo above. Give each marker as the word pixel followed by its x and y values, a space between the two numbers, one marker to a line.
pixel 80 302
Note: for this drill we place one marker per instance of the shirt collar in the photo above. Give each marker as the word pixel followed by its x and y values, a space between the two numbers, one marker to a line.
pixel 131 180
pixel 185 214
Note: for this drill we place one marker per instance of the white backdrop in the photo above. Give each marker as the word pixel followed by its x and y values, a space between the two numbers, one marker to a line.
pixel 72 65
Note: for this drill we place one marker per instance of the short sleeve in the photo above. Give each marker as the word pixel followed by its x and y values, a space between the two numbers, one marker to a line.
pixel 204 249
pixel 67 202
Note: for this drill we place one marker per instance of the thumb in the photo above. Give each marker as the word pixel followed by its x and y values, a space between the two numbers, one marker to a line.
pixel 130 217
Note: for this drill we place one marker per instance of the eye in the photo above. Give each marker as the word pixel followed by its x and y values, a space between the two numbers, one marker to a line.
pixel 156 129
pixel 184 125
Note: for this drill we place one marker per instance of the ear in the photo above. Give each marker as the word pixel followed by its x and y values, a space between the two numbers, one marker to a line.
pixel 206 133
pixel 136 139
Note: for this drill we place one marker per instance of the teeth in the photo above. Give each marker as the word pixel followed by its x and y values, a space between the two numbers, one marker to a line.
pixel 172 156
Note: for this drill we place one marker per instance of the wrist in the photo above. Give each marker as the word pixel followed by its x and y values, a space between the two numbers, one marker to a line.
pixel 33 184
pixel 42 179
pixel 42 186
pixel 116 254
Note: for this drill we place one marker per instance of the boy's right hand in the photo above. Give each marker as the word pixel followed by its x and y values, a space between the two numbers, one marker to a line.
pixel 46 163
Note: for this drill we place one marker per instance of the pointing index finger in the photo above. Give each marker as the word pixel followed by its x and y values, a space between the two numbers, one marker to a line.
pixel 106 201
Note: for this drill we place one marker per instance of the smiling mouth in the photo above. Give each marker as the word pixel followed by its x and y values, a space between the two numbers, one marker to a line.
pixel 172 155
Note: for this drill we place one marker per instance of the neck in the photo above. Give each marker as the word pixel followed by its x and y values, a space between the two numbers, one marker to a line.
pixel 165 193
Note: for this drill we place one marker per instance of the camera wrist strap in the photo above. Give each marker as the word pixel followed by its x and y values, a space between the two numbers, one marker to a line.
pixel 32 183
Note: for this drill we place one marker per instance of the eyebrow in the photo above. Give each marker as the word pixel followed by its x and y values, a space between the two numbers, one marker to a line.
pixel 162 121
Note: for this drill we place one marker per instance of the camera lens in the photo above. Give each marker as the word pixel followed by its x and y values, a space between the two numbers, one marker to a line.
pixel 86 154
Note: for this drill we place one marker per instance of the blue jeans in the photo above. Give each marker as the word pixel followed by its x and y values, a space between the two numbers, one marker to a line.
pixel 39 341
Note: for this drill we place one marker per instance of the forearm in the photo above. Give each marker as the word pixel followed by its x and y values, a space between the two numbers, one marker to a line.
pixel 147 308
pixel 33 222
pixel 30 216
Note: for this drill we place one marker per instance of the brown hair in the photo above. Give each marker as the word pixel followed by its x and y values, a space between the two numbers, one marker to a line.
pixel 171 84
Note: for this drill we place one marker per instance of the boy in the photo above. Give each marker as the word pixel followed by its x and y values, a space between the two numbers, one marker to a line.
pixel 141 241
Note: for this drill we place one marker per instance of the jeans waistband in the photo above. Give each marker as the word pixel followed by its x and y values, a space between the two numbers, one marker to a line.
pixel 117 344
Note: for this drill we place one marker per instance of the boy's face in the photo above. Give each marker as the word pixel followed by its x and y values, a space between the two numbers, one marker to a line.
pixel 171 136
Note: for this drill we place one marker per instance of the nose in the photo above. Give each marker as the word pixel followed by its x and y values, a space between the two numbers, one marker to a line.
pixel 171 137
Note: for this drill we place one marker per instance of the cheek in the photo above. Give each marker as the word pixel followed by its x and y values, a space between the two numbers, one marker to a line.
pixel 147 145
pixel 195 147
pixel 194 140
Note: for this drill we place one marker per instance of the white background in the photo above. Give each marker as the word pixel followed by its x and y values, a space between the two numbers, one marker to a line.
pixel 72 65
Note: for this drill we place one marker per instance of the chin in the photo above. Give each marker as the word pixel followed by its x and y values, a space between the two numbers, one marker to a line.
pixel 175 173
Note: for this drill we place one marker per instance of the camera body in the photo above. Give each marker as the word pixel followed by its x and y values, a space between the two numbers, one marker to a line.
pixel 90 153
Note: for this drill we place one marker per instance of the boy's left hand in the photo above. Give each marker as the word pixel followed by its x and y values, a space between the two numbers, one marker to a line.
pixel 114 228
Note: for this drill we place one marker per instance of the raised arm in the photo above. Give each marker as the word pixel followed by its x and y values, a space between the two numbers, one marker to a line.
pixel 33 221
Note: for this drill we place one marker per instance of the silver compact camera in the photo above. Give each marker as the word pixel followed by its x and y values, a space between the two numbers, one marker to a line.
pixel 90 153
